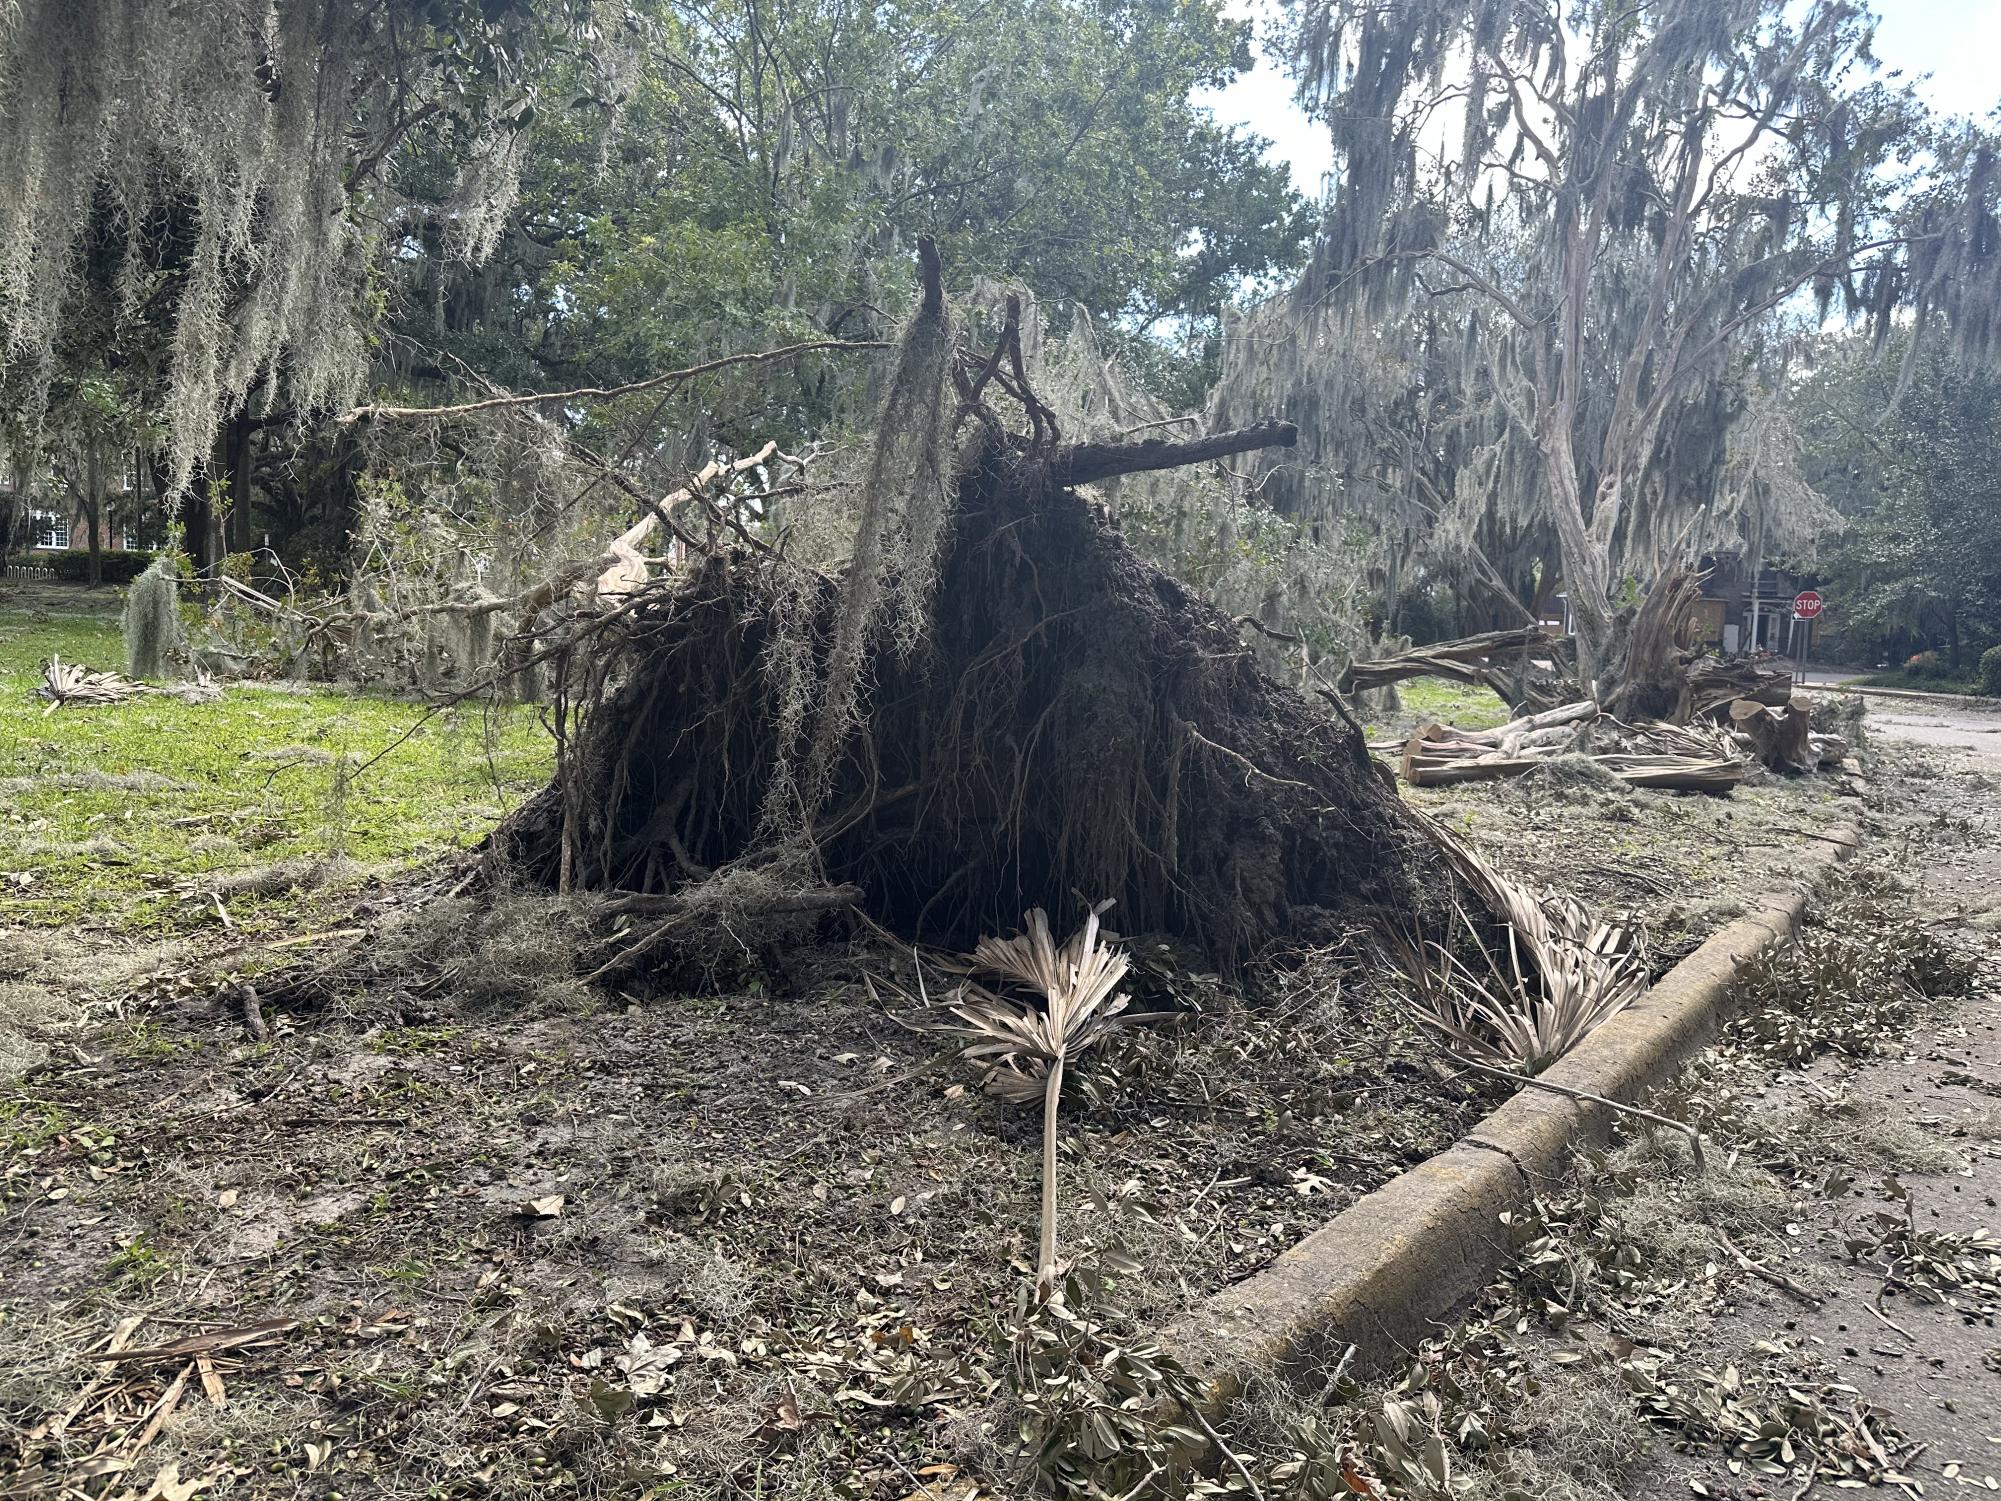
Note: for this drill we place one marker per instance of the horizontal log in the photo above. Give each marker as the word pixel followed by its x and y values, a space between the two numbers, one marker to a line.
pixel 1467 660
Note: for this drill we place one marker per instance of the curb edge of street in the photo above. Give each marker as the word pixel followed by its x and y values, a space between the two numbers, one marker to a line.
pixel 1386 1270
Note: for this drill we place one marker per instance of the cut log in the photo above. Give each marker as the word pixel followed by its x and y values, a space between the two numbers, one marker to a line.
pixel 1563 714
pixel 1664 772
pixel 1679 757
pixel 1714 685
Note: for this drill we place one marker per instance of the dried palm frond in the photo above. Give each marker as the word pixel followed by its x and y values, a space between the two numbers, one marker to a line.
pixel 1025 1046
pixel 1561 974
pixel 70 683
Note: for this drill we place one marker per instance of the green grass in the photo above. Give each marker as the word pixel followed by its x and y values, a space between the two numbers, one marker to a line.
pixel 1910 682
pixel 1459 704
pixel 115 815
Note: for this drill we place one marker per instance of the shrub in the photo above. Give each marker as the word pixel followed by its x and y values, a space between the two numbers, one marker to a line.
pixel 73 564
pixel 1990 671
pixel 1924 664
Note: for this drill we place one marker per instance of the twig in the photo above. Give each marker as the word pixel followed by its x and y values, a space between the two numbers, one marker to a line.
pixel 1891 1322
pixel 1758 1269
pixel 1694 1136
pixel 587 393
pixel 1334 1376
pixel 1144 1481
pixel 1209 1432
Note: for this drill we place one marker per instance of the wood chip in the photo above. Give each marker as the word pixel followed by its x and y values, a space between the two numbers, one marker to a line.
pixel 211 1381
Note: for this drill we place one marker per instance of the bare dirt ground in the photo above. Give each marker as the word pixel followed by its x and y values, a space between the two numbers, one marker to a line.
pixel 462 1225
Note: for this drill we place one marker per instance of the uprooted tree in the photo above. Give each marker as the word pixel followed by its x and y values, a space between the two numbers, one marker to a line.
pixel 987 704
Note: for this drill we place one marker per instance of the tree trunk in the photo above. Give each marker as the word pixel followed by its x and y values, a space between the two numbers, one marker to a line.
pixel 1586 566
pixel 236 519
pixel 93 489
pixel 13 514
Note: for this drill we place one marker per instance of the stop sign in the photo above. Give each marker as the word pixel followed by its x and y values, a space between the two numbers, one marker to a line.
pixel 1806 604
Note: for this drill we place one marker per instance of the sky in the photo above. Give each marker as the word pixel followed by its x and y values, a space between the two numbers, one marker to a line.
pixel 1956 42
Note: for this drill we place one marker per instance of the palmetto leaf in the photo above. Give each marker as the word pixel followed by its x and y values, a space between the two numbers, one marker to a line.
pixel 1027 1044
pixel 1075 982
pixel 1563 972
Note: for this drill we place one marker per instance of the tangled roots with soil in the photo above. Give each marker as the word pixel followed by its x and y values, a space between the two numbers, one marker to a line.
pixel 1074 723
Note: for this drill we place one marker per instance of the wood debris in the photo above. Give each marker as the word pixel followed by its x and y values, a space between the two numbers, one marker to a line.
pixel 124 1407
pixel 1504 661
pixel 1691 758
pixel 1783 737
pixel 1743 714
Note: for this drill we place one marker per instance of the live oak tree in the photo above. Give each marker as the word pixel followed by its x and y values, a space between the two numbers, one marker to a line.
pixel 773 166
pixel 243 154
pixel 1905 441
pixel 1614 203
pixel 313 197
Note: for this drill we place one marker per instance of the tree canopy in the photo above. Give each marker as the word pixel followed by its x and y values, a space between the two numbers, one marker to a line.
pixel 1906 443
pixel 1578 231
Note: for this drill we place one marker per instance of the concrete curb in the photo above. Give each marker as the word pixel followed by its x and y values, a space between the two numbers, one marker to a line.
pixel 1382 1273
pixel 1977 702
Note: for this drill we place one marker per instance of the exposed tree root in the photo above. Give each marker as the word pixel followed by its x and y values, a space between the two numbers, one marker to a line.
pixel 1075 724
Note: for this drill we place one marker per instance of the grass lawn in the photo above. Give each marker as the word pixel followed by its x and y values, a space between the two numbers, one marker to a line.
pixel 1910 682
pixel 126 815
pixel 1428 699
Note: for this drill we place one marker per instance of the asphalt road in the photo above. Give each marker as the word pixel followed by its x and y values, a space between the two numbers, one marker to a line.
pixel 1940 725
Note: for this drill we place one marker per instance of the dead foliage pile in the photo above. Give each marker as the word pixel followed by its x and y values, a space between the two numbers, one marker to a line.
pixel 70 683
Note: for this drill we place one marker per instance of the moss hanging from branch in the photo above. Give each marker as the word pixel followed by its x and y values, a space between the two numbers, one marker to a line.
pixel 245 152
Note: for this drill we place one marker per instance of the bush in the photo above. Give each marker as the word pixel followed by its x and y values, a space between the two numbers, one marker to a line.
pixel 1925 664
pixel 1990 671
pixel 73 565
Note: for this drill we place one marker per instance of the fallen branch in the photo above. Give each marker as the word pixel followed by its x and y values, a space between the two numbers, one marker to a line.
pixel 1468 660
pixel 221 1339
pixel 602 393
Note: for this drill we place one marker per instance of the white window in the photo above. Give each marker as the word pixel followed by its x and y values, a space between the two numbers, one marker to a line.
pixel 49 529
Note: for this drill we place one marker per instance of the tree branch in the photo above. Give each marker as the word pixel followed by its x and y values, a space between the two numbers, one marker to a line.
pixel 1081 463
pixel 587 393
